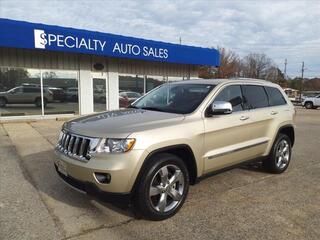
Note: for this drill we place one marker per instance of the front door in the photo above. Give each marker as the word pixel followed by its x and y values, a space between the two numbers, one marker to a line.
pixel 100 92
pixel 227 135
pixel 16 95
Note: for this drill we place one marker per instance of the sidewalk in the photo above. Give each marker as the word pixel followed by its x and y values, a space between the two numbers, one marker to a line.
pixel 23 213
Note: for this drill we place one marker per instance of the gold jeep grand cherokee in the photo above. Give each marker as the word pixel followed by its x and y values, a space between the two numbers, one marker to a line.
pixel 150 152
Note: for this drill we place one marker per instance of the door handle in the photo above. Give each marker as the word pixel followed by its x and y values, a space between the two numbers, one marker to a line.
pixel 274 112
pixel 243 118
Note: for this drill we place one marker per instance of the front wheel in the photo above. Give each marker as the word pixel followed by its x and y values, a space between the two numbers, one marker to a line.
pixel 280 155
pixel 3 102
pixel 163 187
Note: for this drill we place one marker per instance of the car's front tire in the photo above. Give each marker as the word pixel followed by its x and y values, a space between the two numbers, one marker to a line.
pixel 3 102
pixel 280 155
pixel 162 187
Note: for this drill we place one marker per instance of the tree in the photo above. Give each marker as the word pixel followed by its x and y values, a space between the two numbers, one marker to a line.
pixel 229 66
pixel 257 65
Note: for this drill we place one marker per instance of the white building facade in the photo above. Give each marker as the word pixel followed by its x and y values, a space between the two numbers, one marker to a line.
pixel 50 71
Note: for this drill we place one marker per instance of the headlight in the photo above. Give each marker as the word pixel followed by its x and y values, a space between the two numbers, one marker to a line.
pixel 114 145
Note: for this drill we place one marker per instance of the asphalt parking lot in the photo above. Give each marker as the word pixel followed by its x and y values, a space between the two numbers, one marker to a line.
pixel 244 203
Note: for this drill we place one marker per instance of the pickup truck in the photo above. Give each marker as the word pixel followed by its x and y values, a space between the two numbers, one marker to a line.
pixel 311 102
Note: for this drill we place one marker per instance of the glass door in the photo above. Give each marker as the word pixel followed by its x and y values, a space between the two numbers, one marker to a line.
pixel 100 93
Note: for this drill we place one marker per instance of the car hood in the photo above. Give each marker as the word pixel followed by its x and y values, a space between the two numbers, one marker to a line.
pixel 121 123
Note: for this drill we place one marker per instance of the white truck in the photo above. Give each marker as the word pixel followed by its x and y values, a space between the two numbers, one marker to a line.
pixel 311 102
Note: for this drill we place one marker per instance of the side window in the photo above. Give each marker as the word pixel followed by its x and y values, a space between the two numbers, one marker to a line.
pixel 254 97
pixel 233 95
pixel 275 97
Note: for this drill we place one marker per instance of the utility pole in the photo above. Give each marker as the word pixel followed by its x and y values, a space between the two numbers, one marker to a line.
pixel 285 69
pixel 301 83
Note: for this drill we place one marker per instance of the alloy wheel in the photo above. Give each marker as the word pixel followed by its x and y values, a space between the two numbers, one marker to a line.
pixel 167 188
pixel 282 154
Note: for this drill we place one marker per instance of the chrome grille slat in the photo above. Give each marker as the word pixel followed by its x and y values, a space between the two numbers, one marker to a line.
pixel 63 139
pixel 71 142
pixel 75 146
pixel 66 141
pixel 81 152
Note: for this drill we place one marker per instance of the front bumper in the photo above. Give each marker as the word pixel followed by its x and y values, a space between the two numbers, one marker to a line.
pixel 89 188
pixel 123 168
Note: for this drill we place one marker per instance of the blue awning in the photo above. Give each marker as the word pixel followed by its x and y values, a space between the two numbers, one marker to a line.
pixel 19 34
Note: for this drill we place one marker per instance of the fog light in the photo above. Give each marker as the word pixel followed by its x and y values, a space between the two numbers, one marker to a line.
pixel 103 177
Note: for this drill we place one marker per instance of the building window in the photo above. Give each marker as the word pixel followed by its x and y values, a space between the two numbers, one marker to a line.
pixel 154 81
pixel 63 85
pixel 131 83
pixel 20 92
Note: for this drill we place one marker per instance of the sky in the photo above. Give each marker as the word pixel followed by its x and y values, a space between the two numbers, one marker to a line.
pixel 280 29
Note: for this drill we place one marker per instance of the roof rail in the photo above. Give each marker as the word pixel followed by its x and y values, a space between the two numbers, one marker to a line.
pixel 252 79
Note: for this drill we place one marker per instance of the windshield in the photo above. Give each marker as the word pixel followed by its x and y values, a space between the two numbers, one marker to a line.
pixel 174 98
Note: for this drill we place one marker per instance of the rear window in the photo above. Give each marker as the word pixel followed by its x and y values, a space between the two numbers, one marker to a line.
pixel 275 97
pixel 254 97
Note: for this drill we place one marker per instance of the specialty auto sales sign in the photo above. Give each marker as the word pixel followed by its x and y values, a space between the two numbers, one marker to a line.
pixel 18 34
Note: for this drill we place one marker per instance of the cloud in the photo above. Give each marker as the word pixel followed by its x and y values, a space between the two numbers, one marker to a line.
pixel 281 29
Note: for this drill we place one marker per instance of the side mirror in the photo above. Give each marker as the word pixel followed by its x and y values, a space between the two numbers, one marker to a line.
pixel 221 107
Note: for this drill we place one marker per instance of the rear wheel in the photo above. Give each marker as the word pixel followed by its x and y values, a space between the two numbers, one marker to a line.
pixel 163 187
pixel 280 156
pixel 309 105
pixel 38 102
pixel 3 102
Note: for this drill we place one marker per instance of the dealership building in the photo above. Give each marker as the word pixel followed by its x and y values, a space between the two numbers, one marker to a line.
pixel 48 71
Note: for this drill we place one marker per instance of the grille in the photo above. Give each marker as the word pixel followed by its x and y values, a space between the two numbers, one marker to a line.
pixel 75 146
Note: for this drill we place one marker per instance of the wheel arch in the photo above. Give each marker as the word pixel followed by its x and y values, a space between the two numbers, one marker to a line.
pixel 182 151
pixel 4 97
pixel 289 131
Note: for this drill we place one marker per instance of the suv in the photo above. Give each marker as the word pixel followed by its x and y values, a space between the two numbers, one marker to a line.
pixel 25 95
pixel 173 136
pixel 311 102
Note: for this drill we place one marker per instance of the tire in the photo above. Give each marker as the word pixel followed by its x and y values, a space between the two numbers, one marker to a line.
pixel 308 105
pixel 3 102
pixel 38 102
pixel 280 155
pixel 163 179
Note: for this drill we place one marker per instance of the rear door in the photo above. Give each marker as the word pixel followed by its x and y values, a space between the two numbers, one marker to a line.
pixel 261 114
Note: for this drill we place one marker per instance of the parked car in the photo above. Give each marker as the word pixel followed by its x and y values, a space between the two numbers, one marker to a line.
pixel 131 96
pixel 311 102
pixel 72 94
pixel 100 96
pixel 25 95
pixel 58 94
pixel 172 137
